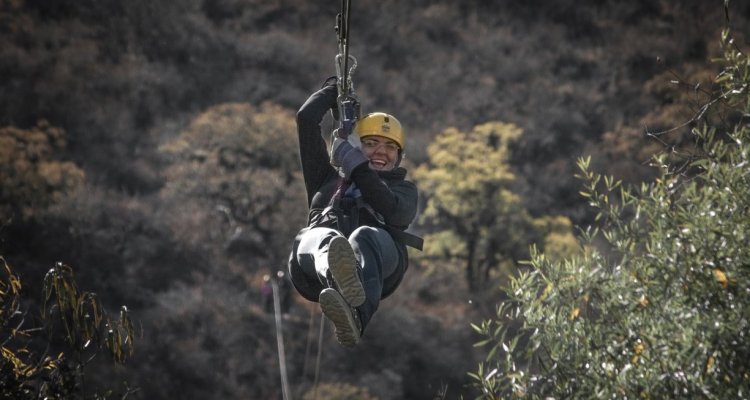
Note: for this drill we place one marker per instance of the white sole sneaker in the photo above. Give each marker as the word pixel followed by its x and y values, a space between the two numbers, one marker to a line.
pixel 343 266
pixel 336 309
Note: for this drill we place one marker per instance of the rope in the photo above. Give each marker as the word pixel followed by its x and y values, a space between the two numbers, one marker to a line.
pixel 308 346
pixel 280 340
pixel 280 345
pixel 320 352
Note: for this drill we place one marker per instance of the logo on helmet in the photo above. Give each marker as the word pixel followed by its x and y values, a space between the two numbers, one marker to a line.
pixel 385 128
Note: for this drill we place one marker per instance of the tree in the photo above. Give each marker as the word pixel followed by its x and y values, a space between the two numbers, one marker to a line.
pixel 474 215
pixel 661 311
pixel 233 174
pixel 76 316
pixel 627 150
pixel 31 171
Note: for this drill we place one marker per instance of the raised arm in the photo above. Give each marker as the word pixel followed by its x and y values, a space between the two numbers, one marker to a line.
pixel 312 147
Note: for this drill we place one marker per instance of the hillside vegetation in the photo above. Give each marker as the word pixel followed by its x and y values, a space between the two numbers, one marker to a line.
pixel 150 145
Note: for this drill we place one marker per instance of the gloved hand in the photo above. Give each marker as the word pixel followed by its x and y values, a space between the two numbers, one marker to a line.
pixel 330 81
pixel 346 156
pixel 330 84
pixel 350 108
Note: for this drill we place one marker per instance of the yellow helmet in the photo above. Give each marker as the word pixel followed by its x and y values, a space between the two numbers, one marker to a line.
pixel 380 124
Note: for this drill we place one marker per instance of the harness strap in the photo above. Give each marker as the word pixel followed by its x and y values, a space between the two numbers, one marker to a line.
pixel 406 238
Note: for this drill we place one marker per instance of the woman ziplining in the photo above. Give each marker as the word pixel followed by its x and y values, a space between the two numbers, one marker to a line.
pixel 352 253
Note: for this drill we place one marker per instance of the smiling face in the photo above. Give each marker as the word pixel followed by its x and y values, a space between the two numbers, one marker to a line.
pixel 382 152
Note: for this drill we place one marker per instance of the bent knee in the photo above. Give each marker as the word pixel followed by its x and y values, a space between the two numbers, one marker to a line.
pixel 367 232
pixel 373 236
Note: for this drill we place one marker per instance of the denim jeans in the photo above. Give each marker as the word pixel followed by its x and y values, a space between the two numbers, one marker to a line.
pixel 375 250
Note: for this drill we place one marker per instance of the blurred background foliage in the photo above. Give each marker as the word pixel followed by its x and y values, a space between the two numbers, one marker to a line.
pixel 472 215
pixel 150 146
pixel 234 171
pixel 32 173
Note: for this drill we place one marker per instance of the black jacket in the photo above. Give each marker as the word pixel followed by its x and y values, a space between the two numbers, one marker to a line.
pixel 392 199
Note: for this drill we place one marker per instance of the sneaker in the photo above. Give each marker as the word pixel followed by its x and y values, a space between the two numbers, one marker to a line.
pixel 342 315
pixel 343 266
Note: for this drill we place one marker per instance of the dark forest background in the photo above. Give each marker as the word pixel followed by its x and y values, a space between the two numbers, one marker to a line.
pixel 151 146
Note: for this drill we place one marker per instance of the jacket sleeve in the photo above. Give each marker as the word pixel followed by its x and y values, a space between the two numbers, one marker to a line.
pixel 312 148
pixel 397 202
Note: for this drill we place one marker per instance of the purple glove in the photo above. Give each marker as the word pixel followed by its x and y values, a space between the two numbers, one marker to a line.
pixel 345 156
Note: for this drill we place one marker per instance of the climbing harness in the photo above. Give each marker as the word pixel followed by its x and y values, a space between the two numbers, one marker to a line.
pixel 349 113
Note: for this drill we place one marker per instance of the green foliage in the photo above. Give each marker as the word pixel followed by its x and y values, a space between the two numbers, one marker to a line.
pixel 478 219
pixel 627 150
pixel 469 170
pixel 661 311
pixel 31 173
pixel 86 329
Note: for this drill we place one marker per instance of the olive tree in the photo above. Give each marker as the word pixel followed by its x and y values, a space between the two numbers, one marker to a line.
pixel 661 310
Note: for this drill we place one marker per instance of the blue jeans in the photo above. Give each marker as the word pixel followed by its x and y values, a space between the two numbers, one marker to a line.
pixel 382 264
